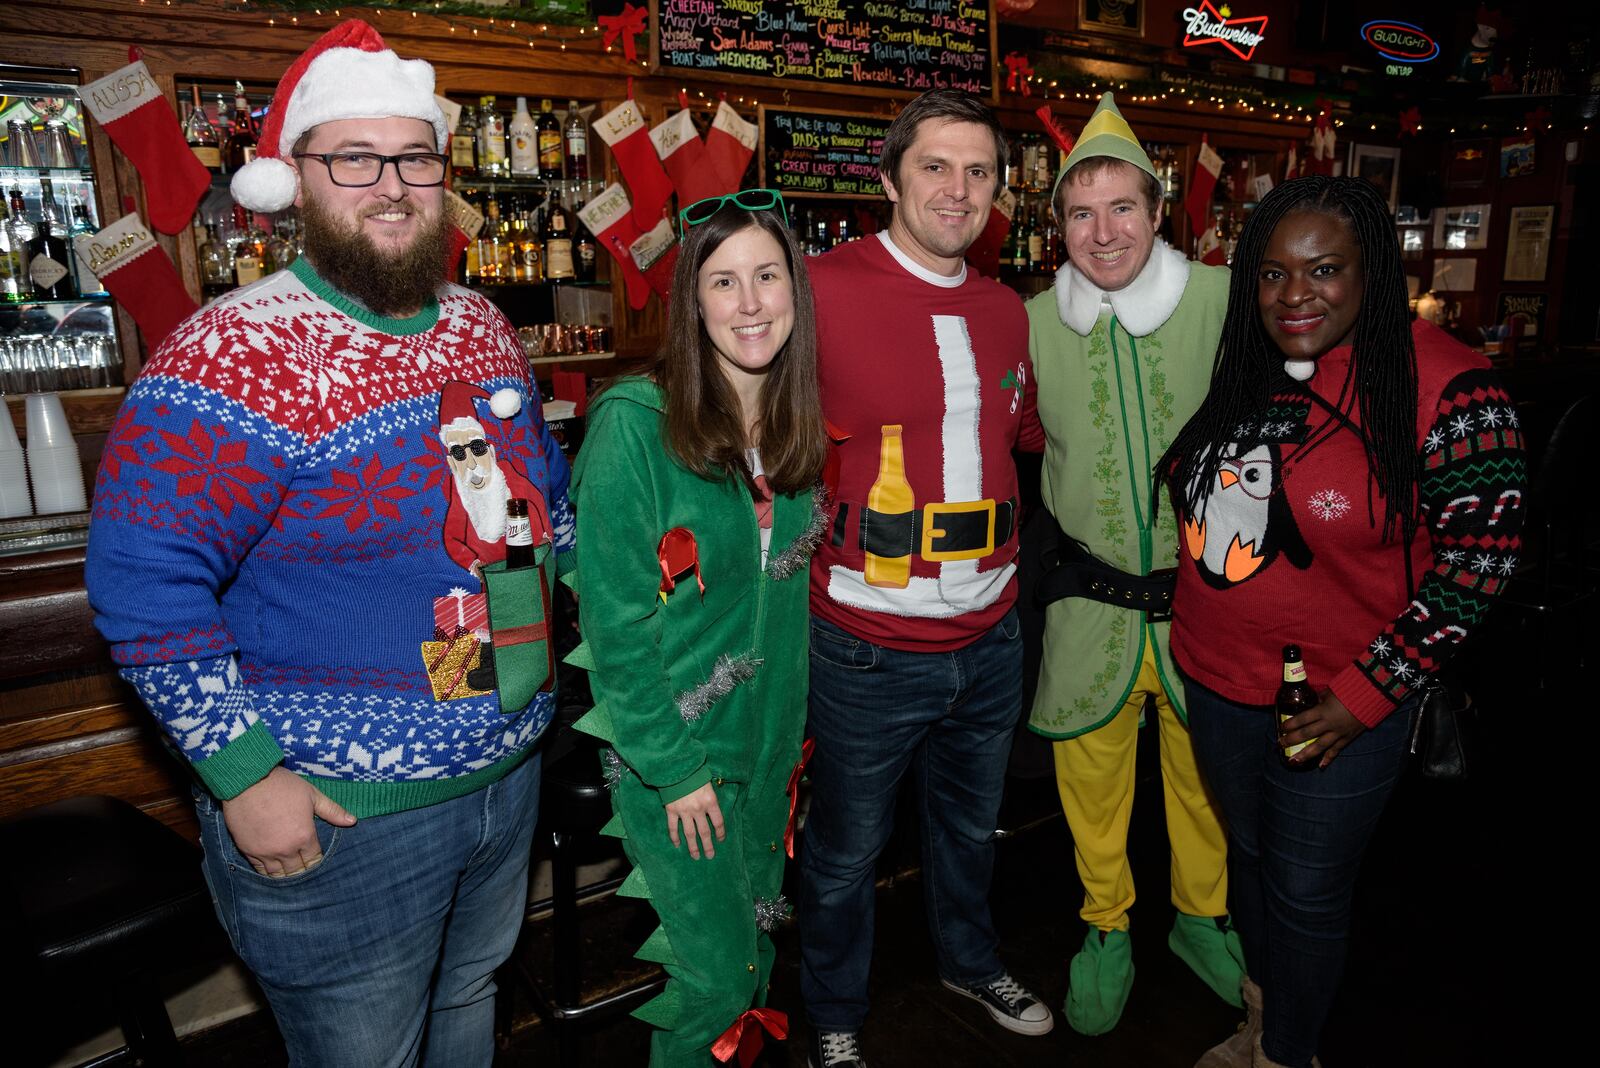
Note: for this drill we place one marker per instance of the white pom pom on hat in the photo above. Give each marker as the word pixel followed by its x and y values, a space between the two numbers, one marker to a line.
pixel 505 403
pixel 347 74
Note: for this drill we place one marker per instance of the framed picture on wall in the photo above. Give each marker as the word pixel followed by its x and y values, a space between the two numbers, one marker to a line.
pixel 1381 167
pixel 1528 235
pixel 1125 17
pixel 1463 227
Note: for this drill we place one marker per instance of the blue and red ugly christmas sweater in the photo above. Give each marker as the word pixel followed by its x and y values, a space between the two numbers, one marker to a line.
pixel 289 520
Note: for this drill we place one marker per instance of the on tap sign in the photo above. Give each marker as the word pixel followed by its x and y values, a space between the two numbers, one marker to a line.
pixel 1206 25
pixel 1401 43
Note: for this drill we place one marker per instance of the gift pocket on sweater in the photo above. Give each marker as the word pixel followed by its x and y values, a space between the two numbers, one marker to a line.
pixel 519 630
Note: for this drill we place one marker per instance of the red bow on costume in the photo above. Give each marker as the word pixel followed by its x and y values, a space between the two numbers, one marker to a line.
pixel 627 25
pixel 1019 71
pixel 677 553
pixel 746 1040
pixel 794 794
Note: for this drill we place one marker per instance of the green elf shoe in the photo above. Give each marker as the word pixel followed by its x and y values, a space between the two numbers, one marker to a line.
pixel 1210 947
pixel 1099 980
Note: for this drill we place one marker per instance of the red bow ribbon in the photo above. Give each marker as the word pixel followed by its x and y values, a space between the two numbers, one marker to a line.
pixel 794 794
pixel 627 25
pixel 744 1035
pixel 1410 121
pixel 677 552
pixel 1018 72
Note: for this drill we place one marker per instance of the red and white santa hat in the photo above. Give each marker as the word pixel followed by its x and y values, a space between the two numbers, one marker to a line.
pixel 347 74
pixel 458 405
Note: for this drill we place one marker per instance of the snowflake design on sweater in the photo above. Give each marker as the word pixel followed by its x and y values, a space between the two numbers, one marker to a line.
pixel 1328 505
pixel 206 463
pixel 202 703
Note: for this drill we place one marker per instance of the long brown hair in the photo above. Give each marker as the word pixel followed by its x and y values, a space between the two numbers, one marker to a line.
pixel 704 425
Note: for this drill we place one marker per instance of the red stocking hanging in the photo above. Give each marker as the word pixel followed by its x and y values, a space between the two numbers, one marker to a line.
pixel 466 222
pixel 683 154
pixel 656 254
pixel 138 119
pixel 133 269
pixel 609 217
pixel 730 146
pixel 624 129
pixel 984 255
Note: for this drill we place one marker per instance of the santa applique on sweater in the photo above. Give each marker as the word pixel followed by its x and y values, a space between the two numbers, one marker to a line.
pixel 482 480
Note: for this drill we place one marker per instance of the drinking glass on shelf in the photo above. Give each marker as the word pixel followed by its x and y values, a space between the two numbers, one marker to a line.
pixel 58 150
pixel 24 150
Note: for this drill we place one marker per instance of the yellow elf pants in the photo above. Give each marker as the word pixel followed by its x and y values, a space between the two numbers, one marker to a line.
pixel 1094 775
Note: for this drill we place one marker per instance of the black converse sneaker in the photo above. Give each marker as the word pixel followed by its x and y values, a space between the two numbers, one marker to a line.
pixel 1011 1005
pixel 835 1049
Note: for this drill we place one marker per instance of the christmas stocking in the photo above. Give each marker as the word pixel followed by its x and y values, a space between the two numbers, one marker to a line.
pixel 683 155
pixel 1198 201
pixel 655 252
pixel 138 119
pixel 133 269
pixel 610 218
pixel 465 223
pixel 730 145
pixel 984 255
pixel 623 128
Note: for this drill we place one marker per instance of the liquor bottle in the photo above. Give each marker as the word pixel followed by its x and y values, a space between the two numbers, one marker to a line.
pixel 530 249
pixel 524 152
pixel 49 258
pixel 19 216
pixel 216 266
pixel 1042 169
pixel 242 138
pixel 576 136
pixel 1295 695
pixel 249 251
pixel 491 140
pixel 585 250
pixel 280 250
pixel 489 243
pixel 15 285
pixel 519 535
pixel 549 143
pixel 88 282
pixel 557 235
pixel 823 239
pixel 890 495
pixel 1035 246
pixel 1051 241
pixel 201 134
pixel 464 144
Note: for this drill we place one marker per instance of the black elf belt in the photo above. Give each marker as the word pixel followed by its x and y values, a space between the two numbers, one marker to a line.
pixel 968 530
pixel 1070 570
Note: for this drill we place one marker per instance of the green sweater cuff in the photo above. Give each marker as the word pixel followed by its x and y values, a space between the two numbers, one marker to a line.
pixel 684 788
pixel 241 763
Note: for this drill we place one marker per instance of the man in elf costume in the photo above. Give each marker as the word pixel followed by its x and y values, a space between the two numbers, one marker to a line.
pixel 1122 348
pixel 271 561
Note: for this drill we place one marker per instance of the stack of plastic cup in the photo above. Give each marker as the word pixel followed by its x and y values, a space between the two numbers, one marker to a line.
pixel 53 465
pixel 14 499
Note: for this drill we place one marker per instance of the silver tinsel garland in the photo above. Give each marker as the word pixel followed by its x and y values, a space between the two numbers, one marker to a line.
pixel 771 912
pixel 794 559
pixel 728 672
pixel 611 767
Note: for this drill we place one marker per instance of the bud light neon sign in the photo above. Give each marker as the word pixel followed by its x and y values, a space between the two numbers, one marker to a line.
pixel 1400 42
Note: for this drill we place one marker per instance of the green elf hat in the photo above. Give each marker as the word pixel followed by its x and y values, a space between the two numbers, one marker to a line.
pixel 1106 133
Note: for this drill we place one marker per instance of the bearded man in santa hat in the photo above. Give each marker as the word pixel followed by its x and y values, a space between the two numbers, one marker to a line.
pixel 272 566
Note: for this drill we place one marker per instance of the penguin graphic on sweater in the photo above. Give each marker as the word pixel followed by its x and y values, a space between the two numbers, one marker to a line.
pixel 1245 523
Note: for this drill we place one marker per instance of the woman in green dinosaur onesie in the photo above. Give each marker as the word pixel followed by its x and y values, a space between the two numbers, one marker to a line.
pixel 696 519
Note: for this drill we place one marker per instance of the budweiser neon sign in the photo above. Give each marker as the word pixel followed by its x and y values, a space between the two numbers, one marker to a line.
pixel 1205 25
pixel 1400 42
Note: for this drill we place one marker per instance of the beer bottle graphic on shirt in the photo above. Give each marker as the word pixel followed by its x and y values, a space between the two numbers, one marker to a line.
pixel 519 535
pixel 890 496
pixel 1295 695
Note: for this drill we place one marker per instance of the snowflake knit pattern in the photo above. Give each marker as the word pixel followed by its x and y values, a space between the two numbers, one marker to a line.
pixel 276 555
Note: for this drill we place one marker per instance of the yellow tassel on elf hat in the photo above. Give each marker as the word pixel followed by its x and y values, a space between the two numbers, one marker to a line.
pixel 1106 133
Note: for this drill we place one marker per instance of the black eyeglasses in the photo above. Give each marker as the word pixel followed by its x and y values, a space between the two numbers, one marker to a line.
pixel 747 199
pixel 477 445
pixel 355 170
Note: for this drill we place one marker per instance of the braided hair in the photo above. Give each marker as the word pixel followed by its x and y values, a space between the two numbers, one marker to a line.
pixel 1383 364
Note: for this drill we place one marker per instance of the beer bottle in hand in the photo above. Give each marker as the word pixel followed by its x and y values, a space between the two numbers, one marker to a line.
pixel 519 535
pixel 1295 695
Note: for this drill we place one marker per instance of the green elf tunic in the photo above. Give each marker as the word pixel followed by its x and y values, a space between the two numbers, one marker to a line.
pixel 702 683
pixel 1118 375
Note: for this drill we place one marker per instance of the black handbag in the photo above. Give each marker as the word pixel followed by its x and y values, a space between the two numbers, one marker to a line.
pixel 1438 733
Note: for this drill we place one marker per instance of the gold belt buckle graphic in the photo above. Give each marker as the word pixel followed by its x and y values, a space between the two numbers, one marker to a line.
pixel 931 515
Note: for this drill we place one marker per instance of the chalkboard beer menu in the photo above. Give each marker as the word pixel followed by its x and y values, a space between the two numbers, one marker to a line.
pixel 909 45
pixel 822 153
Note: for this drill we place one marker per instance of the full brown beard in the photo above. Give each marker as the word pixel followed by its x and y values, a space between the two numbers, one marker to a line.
pixel 389 283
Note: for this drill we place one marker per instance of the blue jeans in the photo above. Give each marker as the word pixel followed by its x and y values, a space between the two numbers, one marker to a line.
pixel 1295 842
pixel 384 954
pixel 875 713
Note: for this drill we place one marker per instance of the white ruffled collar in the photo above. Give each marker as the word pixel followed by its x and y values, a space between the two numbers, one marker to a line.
pixel 1141 306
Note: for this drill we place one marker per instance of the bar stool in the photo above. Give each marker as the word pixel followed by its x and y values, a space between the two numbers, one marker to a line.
pixel 100 898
